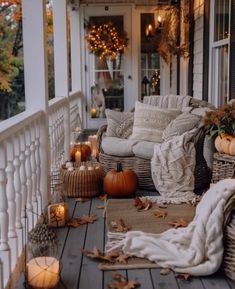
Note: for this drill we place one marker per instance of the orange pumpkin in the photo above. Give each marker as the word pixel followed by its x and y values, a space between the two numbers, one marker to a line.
pixel 120 182
pixel 83 148
pixel 225 143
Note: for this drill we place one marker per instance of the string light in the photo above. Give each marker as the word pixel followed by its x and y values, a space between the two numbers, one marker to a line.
pixel 105 41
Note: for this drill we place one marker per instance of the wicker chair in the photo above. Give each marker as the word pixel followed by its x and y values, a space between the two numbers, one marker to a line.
pixel 142 167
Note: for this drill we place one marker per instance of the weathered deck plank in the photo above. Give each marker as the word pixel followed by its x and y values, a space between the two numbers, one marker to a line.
pixel 91 276
pixel 79 272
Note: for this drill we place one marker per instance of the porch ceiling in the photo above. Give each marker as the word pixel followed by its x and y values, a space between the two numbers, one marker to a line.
pixel 137 2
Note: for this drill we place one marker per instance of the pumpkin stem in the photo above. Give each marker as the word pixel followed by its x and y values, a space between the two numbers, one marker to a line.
pixel 119 167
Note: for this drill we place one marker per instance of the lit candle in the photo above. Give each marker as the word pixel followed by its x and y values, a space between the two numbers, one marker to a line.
pixel 93 112
pixel 159 19
pixel 78 156
pixel 93 141
pixel 43 272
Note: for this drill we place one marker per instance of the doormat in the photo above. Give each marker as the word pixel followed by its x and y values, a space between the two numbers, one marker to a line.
pixel 142 221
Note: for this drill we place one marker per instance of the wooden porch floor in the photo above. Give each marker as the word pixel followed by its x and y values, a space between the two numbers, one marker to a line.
pixel 79 272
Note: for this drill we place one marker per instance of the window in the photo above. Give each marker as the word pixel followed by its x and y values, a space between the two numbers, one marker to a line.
pixel 219 56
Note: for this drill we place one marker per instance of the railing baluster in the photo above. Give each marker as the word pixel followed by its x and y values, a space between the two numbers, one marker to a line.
pixel 11 197
pixel 34 176
pixel 38 166
pixel 28 168
pixel 18 196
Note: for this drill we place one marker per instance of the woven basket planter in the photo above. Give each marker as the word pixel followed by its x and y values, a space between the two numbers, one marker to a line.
pixel 85 183
pixel 223 167
pixel 229 249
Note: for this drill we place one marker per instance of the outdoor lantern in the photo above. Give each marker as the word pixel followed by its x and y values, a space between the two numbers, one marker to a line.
pixel 58 210
pixel 42 262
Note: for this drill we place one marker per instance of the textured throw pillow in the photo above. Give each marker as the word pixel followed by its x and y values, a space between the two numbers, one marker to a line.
pixel 120 124
pixel 184 122
pixel 150 121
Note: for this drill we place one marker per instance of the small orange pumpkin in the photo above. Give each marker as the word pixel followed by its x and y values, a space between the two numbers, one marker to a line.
pixel 120 182
pixel 83 148
pixel 225 143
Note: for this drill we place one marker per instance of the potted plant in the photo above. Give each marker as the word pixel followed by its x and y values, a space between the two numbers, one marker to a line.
pixel 221 123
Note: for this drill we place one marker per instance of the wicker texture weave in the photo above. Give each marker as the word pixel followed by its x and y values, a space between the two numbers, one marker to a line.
pixel 223 167
pixel 142 167
pixel 83 183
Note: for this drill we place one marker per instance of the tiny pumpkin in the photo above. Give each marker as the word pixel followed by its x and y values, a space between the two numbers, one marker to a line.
pixel 225 143
pixel 120 182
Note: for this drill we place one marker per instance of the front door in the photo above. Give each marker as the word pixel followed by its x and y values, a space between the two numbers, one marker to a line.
pixel 106 77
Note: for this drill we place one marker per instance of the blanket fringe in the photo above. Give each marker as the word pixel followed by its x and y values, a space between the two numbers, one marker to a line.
pixel 115 241
pixel 191 199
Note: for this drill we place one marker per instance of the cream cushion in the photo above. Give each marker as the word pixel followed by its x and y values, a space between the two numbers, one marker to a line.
pixel 182 123
pixel 144 149
pixel 119 124
pixel 150 121
pixel 117 146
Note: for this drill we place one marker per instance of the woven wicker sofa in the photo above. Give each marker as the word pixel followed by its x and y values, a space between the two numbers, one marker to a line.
pixel 142 166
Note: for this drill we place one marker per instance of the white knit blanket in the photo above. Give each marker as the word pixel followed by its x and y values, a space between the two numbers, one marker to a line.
pixel 196 249
pixel 173 165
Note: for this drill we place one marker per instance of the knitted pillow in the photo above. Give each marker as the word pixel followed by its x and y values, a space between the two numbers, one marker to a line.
pixel 150 121
pixel 120 124
pixel 184 122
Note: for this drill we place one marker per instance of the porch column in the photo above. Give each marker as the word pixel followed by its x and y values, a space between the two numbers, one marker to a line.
pixel 61 62
pixel 75 51
pixel 36 80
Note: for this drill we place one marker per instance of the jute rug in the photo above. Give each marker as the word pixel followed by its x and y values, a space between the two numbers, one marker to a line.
pixel 144 221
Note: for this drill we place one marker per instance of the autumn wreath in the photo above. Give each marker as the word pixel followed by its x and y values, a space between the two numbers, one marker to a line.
pixel 105 41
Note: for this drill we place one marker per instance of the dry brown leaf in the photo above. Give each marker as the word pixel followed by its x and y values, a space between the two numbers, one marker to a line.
pixel 144 204
pixel 103 197
pixel 87 219
pixel 94 254
pixel 165 271
pixel 181 222
pixel 122 282
pixel 122 258
pixel 100 206
pixel 158 213
pixel 119 226
pixel 185 276
pixel 73 222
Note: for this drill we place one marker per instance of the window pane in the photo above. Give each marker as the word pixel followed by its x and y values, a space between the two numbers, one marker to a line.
pixel 106 78
pixel 221 23
pixel 221 75
pixel 150 60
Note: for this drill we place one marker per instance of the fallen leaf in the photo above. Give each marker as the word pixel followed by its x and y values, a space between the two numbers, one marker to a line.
pixel 165 271
pixel 87 219
pixel 103 197
pixel 122 258
pixel 100 206
pixel 73 222
pixel 158 213
pixel 112 256
pixel 119 226
pixel 94 254
pixel 143 204
pixel 181 222
pixel 122 282
pixel 184 276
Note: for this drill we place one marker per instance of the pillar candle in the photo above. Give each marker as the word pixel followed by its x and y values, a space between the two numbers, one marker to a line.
pixel 77 156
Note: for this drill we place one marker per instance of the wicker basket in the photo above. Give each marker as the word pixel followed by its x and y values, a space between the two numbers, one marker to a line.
pixel 229 249
pixel 223 167
pixel 85 183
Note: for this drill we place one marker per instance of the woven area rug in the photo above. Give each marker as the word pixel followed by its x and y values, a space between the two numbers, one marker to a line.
pixel 144 221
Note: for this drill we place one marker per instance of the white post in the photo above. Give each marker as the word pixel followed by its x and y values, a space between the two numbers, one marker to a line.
pixel 60 25
pixel 61 61
pixel 36 87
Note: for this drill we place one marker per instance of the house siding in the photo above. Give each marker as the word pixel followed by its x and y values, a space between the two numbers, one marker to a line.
pixel 198 49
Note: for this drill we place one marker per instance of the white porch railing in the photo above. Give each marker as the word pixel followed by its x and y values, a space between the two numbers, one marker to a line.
pixel 23 182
